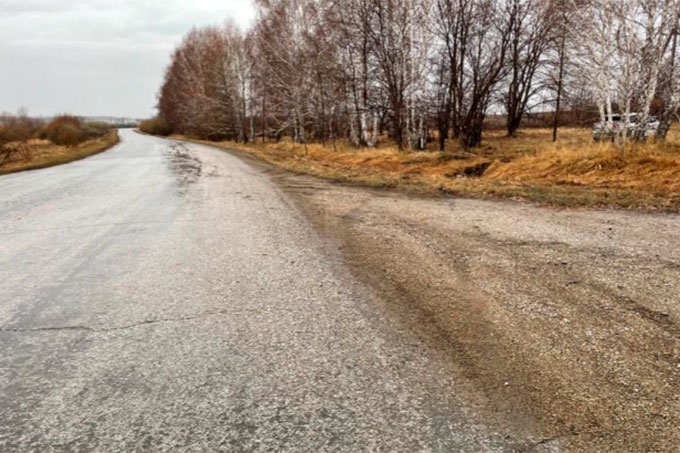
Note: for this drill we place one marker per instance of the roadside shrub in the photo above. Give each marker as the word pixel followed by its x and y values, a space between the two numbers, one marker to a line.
pixel 67 130
pixel 18 128
pixel 155 126
pixel 66 135
pixel 15 132
pixel 93 130
pixel 63 130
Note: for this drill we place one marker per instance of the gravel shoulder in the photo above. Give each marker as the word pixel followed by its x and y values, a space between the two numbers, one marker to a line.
pixel 565 321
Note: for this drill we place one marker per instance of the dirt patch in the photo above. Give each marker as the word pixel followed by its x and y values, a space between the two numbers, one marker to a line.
pixel 564 324
pixel 473 171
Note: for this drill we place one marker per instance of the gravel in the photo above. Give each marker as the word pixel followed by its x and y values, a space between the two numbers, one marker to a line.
pixel 564 320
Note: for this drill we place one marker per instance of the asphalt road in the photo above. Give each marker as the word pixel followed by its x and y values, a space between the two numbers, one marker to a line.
pixel 170 297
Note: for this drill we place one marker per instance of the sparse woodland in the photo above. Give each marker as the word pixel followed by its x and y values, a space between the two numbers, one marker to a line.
pixel 421 71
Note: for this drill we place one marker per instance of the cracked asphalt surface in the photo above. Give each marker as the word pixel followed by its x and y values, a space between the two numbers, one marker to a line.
pixel 170 297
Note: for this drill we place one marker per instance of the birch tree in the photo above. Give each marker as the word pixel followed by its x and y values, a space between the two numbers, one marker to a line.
pixel 286 58
pixel 670 78
pixel 623 44
pixel 320 69
pixel 352 22
pixel 399 39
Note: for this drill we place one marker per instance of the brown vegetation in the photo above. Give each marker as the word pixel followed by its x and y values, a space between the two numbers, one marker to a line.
pixel 15 131
pixel 27 143
pixel 67 130
pixel 155 126
pixel 43 153
pixel 342 89
pixel 572 171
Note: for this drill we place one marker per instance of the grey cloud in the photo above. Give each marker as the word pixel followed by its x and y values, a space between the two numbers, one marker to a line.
pixel 96 57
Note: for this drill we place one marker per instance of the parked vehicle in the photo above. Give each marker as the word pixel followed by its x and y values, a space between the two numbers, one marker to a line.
pixel 609 130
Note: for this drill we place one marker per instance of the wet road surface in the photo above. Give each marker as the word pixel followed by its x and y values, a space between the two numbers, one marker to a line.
pixel 169 297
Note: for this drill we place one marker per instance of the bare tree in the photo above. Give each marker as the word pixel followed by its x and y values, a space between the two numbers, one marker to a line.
pixel 352 22
pixel 284 52
pixel 320 69
pixel 670 82
pixel 560 19
pixel 529 39
pixel 623 45
pixel 476 36
pixel 400 43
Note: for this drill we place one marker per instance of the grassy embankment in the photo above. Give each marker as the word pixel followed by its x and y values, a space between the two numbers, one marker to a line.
pixel 571 172
pixel 43 153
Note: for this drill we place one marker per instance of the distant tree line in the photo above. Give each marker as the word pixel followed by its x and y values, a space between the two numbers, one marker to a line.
pixel 419 70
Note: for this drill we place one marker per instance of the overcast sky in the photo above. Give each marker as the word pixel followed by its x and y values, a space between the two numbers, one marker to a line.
pixel 96 57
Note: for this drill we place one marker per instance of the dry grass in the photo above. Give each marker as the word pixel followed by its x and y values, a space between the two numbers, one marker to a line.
pixel 43 153
pixel 573 171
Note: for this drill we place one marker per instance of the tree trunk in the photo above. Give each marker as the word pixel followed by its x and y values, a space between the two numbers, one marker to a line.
pixel 513 124
pixel 668 111
pixel 471 134
pixel 443 129
pixel 264 120
pixel 560 77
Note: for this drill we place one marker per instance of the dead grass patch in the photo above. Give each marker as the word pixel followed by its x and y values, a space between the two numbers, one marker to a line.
pixel 43 153
pixel 573 171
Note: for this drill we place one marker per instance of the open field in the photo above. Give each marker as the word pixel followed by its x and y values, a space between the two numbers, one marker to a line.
pixel 574 171
pixel 43 153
